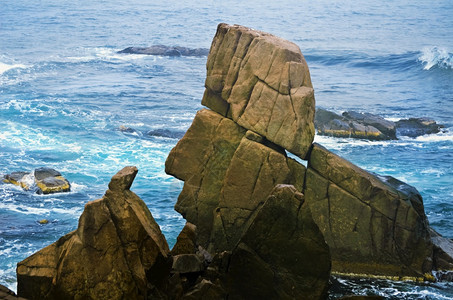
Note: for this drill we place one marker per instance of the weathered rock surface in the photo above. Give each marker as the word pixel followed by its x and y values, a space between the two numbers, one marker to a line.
pixel 414 127
pixel 443 252
pixel 166 51
pixel 282 254
pixel 186 242
pixel 261 82
pixel 228 172
pixel 117 252
pixel 374 225
pixel 44 180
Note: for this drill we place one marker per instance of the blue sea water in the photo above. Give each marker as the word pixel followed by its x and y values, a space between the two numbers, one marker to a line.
pixel 65 92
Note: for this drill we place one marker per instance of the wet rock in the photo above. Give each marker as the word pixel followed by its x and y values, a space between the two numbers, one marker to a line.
pixel 272 97
pixel 205 289
pixel 166 51
pixel 374 225
pixel 21 179
pixel 166 133
pixel 117 252
pixel 415 127
pixel 50 181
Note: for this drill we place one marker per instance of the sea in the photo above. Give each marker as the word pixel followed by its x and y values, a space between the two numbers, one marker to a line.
pixel 66 94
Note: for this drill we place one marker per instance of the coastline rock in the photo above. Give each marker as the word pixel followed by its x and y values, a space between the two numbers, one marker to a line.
pixel 228 172
pixel 21 179
pixel 374 225
pixel 261 82
pixel 44 180
pixel 282 254
pixel 117 252
pixel 166 51
pixel 443 252
pixel 186 242
pixel 354 125
pixel 414 127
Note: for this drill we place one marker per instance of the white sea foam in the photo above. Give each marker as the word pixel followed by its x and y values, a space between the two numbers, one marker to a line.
pixel 5 67
pixel 435 56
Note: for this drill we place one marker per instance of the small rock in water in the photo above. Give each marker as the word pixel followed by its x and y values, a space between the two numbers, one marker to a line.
pixel 50 181
pixel 414 127
pixel 18 178
pixel 43 221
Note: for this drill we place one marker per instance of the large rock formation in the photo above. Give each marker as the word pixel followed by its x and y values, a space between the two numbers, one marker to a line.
pixel 262 83
pixel 374 225
pixel 117 252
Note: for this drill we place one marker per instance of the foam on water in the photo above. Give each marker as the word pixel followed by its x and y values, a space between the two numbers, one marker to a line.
pixel 436 57
pixel 5 67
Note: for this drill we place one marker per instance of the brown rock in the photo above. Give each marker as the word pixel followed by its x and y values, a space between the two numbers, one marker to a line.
pixel 117 252
pixel 7 294
pixel 186 242
pixel 228 172
pixel 374 225
pixel 443 252
pixel 282 254
pixel 263 83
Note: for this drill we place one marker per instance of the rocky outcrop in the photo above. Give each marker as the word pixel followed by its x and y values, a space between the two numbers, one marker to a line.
pixel 374 225
pixel 262 83
pixel 414 127
pixel 368 126
pixel 282 254
pixel 43 180
pixel 228 172
pixel 355 125
pixel 166 51
pixel 117 252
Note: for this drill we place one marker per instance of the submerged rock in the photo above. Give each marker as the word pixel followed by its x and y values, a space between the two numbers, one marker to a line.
pixel 117 252
pixel 166 51
pixel 374 226
pixel 262 83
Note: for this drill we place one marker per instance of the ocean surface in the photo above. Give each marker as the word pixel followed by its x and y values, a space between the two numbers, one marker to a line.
pixel 65 92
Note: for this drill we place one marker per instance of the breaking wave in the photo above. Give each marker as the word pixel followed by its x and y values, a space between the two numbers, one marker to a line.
pixel 436 57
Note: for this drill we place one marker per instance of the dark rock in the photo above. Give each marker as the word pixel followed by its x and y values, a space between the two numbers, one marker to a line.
pixel 443 252
pixel 187 263
pixel 44 172
pixel 386 127
pixel 7 294
pixel 373 225
pixel 415 127
pixel 117 252
pixel 205 289
pixel 186 242
pixel 282 254
pixel 166 51
pixel 361 297
pixel 166 133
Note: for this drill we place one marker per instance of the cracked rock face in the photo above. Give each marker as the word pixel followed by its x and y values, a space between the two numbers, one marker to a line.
pixel 282 254
pixel 373 225
pixel 261 82
pixel 228 172
pixel 117 252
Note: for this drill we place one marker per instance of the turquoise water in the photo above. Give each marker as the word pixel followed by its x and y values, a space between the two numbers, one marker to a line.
pixel 64 93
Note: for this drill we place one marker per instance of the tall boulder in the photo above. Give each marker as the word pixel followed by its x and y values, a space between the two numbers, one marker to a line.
pixel 117 252
pixel 374 225
pixel 261 82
